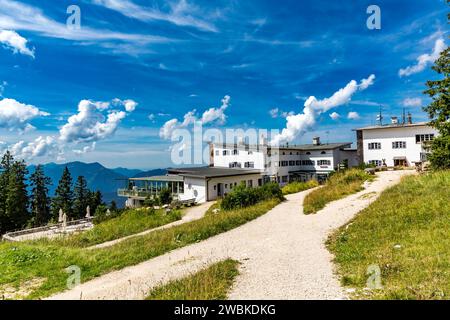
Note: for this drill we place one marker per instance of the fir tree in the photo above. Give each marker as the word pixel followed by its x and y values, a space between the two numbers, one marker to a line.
pixel 81 197
pixel 17 196
pixel 63 195
pixel 5 169
pixel 40 202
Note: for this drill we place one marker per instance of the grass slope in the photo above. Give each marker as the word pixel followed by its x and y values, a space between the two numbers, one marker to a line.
pixel 130 222
pixel 337 187
pixel 212 283
pixel 295 187
pixel 20 262
pixel 406 232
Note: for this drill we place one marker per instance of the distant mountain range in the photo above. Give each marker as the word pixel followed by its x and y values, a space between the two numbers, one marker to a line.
pixel 97 176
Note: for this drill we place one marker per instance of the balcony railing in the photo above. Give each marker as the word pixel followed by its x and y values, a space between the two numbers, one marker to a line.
pixel 141 193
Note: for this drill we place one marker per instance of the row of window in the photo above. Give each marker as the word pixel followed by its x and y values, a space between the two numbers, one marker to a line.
pixel 395 145
pixel 248 164
pixel 293 163
pixel 402 144
pixel 235 152
pixel 291 153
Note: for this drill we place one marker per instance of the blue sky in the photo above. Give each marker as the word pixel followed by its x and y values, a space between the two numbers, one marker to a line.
pixel 143 63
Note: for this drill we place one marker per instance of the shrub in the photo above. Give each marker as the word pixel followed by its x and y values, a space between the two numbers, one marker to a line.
pixel 165 196
pixel 297 186
pixel 242 196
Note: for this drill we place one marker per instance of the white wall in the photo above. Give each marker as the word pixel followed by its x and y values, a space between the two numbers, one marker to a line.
pixel 243 156
pixel 194 188
pixel 212 193
pixel 388 135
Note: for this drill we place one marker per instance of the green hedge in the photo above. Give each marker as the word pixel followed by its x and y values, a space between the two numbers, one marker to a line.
pixel 242 197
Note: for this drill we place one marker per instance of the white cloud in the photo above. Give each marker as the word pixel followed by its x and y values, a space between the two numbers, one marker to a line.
pixel 15 42
pixel 424 60
pixel 85 149
pixel 300 123
pixel 180 13
pixel 15 15
pixel 16 116
pixel 151 117
pixel 211 115
pixel 37 148
pixel 352 115
pixel 276 112
pixel 218 114
pixel 335 116
pixel 90 124
pixel 2 88
pixel 128 104
pixel 412 102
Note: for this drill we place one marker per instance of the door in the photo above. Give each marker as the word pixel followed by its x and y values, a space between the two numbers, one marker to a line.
pixel 219 190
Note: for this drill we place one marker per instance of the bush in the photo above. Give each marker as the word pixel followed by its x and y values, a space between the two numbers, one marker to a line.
pixel 165 196
pixel 242 197
pixel 296 186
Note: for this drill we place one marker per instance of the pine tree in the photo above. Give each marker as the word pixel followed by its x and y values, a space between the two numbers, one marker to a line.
pixel 40 202
pixel 17 196
pixel 63 196
pixel 95 200
pixel 439 112
pixel 5 169
pixel 81 197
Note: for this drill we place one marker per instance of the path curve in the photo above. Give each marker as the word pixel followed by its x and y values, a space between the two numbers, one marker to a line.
pixel 283 254
pixel 193 213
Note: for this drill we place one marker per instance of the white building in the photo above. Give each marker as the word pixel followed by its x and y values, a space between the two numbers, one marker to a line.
pixel 253 165
pixel 396 144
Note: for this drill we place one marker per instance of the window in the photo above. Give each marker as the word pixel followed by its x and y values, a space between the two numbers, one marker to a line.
pixel 226 186
pixel 235 165
pixel 377 163
pixel 291 163
pixel 250 183
pixel 260 182
pixel 226 152
pixel 298 163
pixel 284 153
pixel 251 152
pixel 374 146
pixel 284 163
pixel 249 165
pixel 284 179
pixel 307 162
pixel 323 152
pixel 424 137
pixel 399 145
pixel 308 152
pixel 324 162
pixel 290 153
pixel 235 152
pixel 217 152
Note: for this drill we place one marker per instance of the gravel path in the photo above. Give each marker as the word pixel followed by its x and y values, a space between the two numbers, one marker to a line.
pixel 193 213
pixel 282 253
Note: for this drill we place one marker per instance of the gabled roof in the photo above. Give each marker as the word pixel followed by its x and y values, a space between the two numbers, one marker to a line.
pixel 212 172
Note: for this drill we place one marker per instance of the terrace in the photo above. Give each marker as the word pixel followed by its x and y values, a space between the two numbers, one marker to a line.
pixel 148 187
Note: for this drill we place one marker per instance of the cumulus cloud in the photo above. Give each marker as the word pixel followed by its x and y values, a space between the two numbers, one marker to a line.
pixel 128 104
pixel 300 123
pixel 335 116
pixel 85 149
pixel 90 124
pixel 211 115
pixel 16 116
pixel 217 114
pixel 42 146
pixel 424 60
pixel 15 42
pixel 353 115
pixel 412 102
pixel 276 112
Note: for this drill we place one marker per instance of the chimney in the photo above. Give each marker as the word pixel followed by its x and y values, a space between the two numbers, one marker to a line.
pixel 316 141
pixel 394 120
pixel 409 118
